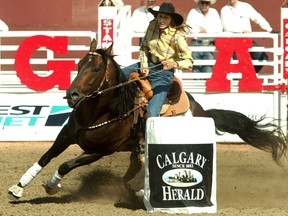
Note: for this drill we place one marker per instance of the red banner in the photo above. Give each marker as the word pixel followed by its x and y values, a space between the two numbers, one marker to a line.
pixel 107 29
pixel 285 48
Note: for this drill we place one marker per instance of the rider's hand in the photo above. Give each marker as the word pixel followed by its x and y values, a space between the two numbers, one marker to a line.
pixel 144 72
pixel 167 65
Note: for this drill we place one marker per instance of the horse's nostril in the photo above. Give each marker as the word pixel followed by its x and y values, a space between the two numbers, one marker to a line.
pixel 74 96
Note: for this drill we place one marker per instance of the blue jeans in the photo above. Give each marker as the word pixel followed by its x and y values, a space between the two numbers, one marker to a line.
pixel 161 83
pixel 202 56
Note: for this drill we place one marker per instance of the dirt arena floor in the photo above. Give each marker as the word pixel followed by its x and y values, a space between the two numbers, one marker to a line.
pixel 248 183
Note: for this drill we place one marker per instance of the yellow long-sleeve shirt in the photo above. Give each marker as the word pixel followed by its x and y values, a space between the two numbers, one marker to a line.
pixel 169 44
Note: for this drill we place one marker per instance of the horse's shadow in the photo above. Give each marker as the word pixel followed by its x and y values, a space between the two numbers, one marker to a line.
pixel 101 186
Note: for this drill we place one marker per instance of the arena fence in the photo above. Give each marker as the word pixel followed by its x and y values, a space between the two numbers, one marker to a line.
pixel 37 66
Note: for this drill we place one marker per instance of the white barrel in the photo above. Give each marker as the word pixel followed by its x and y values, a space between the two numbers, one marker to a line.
pixel 180 165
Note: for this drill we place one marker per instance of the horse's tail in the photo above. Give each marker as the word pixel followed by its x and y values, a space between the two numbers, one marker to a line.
pixel 268 137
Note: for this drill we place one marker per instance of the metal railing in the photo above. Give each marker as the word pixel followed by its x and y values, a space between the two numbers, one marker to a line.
pixel 195 81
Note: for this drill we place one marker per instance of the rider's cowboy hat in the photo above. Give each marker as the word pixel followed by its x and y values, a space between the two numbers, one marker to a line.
pixel 168 8
pixel 211 1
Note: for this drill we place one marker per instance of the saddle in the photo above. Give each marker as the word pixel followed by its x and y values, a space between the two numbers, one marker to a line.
pixel 176 102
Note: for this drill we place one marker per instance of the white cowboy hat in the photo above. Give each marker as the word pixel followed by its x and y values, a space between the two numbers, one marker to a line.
pixel 211 1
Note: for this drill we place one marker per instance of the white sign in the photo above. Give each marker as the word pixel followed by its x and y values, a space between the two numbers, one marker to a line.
pixel 31 117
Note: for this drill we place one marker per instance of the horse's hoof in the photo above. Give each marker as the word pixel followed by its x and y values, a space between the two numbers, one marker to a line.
pixel 52 191
pixel 15 192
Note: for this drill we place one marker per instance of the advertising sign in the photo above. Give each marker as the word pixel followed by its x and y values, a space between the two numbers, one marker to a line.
pixel 180 165
pixel 107 29
pixel 284 22
pixel 107 17
pixel 30 117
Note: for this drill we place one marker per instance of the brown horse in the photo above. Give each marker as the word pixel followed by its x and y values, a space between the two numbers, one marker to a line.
pixel 103 122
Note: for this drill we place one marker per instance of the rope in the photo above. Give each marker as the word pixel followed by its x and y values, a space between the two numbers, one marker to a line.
pixel 119 118
pixel 99 92
pixel 143 67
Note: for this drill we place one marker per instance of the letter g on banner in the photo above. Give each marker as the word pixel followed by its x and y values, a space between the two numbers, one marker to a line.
pixel 61 68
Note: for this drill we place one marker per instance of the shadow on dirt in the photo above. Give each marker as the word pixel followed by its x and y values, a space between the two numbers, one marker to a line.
pixel 101 186
pixel 46 200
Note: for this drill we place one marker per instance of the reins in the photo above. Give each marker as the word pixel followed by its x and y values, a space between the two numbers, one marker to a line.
pixel 119 118
pixel 100 92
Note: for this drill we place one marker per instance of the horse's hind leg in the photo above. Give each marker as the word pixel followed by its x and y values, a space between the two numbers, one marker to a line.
pixel 62 142
pixel 53 185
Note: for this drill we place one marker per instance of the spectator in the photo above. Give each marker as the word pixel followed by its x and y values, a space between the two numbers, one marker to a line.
pixel 236 16
pixel 106 3
pixel 141 16
pixel 204 19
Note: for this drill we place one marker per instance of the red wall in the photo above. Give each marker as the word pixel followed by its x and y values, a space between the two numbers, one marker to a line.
pixel 82 14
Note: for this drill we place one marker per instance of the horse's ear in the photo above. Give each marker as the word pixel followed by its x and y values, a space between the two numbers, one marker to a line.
pixel 109 49
pixel 93 45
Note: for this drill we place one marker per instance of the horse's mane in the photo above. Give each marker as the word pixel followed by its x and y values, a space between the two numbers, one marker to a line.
pixel 125 95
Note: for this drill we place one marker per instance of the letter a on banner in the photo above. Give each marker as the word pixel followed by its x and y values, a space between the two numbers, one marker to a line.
pixel 223 66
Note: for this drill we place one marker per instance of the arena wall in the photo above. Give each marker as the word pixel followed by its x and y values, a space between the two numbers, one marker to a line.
pixel 82 14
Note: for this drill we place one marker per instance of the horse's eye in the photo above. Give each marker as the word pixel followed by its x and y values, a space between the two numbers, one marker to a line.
pixel 96 69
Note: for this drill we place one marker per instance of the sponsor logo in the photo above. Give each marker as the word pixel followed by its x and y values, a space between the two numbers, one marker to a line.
pixel 182 177
pixel 180 174
pixel 34 115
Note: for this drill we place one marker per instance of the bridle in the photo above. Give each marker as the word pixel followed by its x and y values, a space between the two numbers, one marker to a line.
pixel 99 92
pixel 104 79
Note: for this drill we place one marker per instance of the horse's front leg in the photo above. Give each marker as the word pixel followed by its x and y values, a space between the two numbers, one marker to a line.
pixel 62 142
pixel 134 167
pixel 53 185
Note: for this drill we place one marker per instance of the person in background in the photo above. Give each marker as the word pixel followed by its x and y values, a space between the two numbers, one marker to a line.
pixel 106 3
pixel 141 17
pixel 204 19
pixel 236 16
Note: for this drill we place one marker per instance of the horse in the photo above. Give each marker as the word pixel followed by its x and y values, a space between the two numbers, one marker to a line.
pixel 102 122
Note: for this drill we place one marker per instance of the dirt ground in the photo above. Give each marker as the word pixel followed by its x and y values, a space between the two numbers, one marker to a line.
pixel 248 183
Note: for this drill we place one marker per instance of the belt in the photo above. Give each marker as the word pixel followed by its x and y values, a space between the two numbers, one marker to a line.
pixel 204 42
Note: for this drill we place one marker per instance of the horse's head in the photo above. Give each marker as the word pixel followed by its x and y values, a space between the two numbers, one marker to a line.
pixel 93 71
